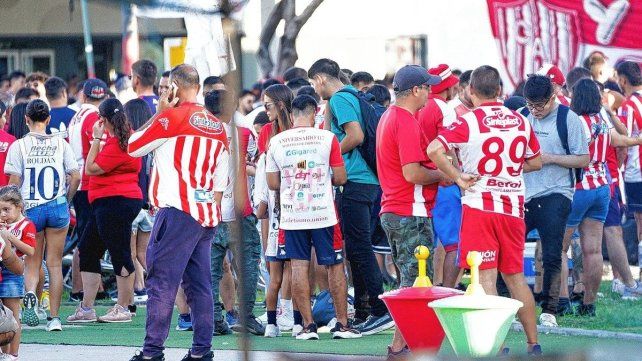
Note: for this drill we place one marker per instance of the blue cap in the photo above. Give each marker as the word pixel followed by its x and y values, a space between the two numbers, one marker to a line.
pixel 411 76
pixel 95 89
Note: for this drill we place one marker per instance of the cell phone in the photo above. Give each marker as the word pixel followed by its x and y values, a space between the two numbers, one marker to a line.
pixel 173 88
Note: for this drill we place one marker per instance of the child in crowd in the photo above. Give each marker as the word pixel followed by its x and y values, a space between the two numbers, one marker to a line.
pixel 19 234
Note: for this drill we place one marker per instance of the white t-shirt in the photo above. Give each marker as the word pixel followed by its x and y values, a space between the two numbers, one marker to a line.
pixel 42 161
pixel 263 194
pixel 304 157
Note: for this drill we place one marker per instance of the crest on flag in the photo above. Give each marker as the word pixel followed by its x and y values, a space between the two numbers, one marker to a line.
pixel 531 33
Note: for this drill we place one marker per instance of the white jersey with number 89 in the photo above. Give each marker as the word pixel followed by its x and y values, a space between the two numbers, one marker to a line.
pixel 42 162
pixel 493 142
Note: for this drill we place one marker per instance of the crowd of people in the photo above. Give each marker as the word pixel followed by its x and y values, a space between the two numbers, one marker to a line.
pixel 322 182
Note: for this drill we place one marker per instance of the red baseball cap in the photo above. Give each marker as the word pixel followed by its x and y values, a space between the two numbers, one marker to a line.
pixel 554 73
pixel 448 79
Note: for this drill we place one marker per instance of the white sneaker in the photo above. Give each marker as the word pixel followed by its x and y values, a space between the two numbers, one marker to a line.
pixel 547 320
pixel 272 331
pixel 285 320
pixel 332 323
pixel 263 318
pixel 632 293
pixel 617 286
pixel 296 330
pixel 54 325
pixel 42 313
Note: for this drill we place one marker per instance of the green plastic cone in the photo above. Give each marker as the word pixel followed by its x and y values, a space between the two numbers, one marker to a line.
pixel 476 326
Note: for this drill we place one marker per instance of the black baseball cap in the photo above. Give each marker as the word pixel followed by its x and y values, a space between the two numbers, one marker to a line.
pixel 411 76
pixel 95 89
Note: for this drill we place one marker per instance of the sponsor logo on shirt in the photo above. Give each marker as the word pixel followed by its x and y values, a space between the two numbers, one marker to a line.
pixel 292 152
pixel 201 195
pixel 42 151
pixel 164 122
pixel 502 121
pixel 495 183
pixel 205 124
pixel 4 146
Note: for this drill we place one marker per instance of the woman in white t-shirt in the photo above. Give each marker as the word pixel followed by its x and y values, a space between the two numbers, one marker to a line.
pixel 42 165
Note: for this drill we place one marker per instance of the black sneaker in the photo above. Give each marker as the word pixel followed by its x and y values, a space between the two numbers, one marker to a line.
pixel 253 326
pixel 586 310
pixel 132 309
pixel 75 297
pixel 340 331
pixel 309 333
pixel 577 297
pixel 221 328
pixel 376 324
pixel 139 357
pixel 536 350
pixel 564 307
pixel 399 355
pixel 207 357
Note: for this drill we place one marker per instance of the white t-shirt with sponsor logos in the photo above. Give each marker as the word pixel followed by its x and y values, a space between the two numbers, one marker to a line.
pixel 304 157
pixel 42 161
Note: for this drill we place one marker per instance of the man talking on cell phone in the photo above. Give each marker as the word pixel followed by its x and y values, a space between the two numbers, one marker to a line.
pixel 188 179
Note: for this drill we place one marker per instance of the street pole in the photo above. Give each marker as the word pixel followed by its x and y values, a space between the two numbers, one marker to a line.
pixel 89 48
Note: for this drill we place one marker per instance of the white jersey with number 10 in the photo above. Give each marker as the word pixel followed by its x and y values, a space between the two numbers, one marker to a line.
pixel 493 142
pixel 42 162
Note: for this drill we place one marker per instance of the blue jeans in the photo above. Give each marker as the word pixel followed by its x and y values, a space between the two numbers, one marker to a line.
pixel 250 254
pixel 53 214
pixel 356 203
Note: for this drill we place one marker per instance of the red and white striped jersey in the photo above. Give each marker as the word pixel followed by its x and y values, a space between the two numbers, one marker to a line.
pixel 595 173
pixel 631 114
pixel 190 160
pixel 24 230
pixel 493 142
pixel 80 134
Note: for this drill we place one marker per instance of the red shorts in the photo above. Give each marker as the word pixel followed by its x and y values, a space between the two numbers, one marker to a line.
pixel 499 238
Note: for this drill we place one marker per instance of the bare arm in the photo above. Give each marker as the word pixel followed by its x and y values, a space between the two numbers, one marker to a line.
pixel 20 245
pixel 437 153
pixel 74 182
pixel 262 211
pixel 91 168
pixel 15 180
pixel 533 164
pixel 218 197
pixel 415 173
pixel 339 176
pixel 11 261
pixel 566 160
pixel 619 140
pixel 353 138
pixel 273 180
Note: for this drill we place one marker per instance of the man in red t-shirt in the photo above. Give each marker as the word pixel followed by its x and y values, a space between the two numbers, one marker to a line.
pixel 5 141
pixel 408 181
pixel 447 212
pixel 496 146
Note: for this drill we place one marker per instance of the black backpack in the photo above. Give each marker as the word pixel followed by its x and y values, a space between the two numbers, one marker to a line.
pixel 576 174
pixel 370 118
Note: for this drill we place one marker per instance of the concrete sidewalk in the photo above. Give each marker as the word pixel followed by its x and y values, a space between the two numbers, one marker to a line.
pixel 33 352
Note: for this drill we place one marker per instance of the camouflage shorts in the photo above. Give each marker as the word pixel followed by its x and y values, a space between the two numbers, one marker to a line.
pixel 404 235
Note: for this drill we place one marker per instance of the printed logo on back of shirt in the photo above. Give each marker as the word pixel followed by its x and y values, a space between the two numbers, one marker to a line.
pixel 4 146
pixel 205 124
pixel 502 121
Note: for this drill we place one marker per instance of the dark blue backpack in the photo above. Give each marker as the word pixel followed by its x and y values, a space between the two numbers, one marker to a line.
pixel 370 118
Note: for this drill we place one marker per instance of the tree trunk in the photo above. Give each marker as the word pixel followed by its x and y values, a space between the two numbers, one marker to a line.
pixel 287 54
pixel 267 33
